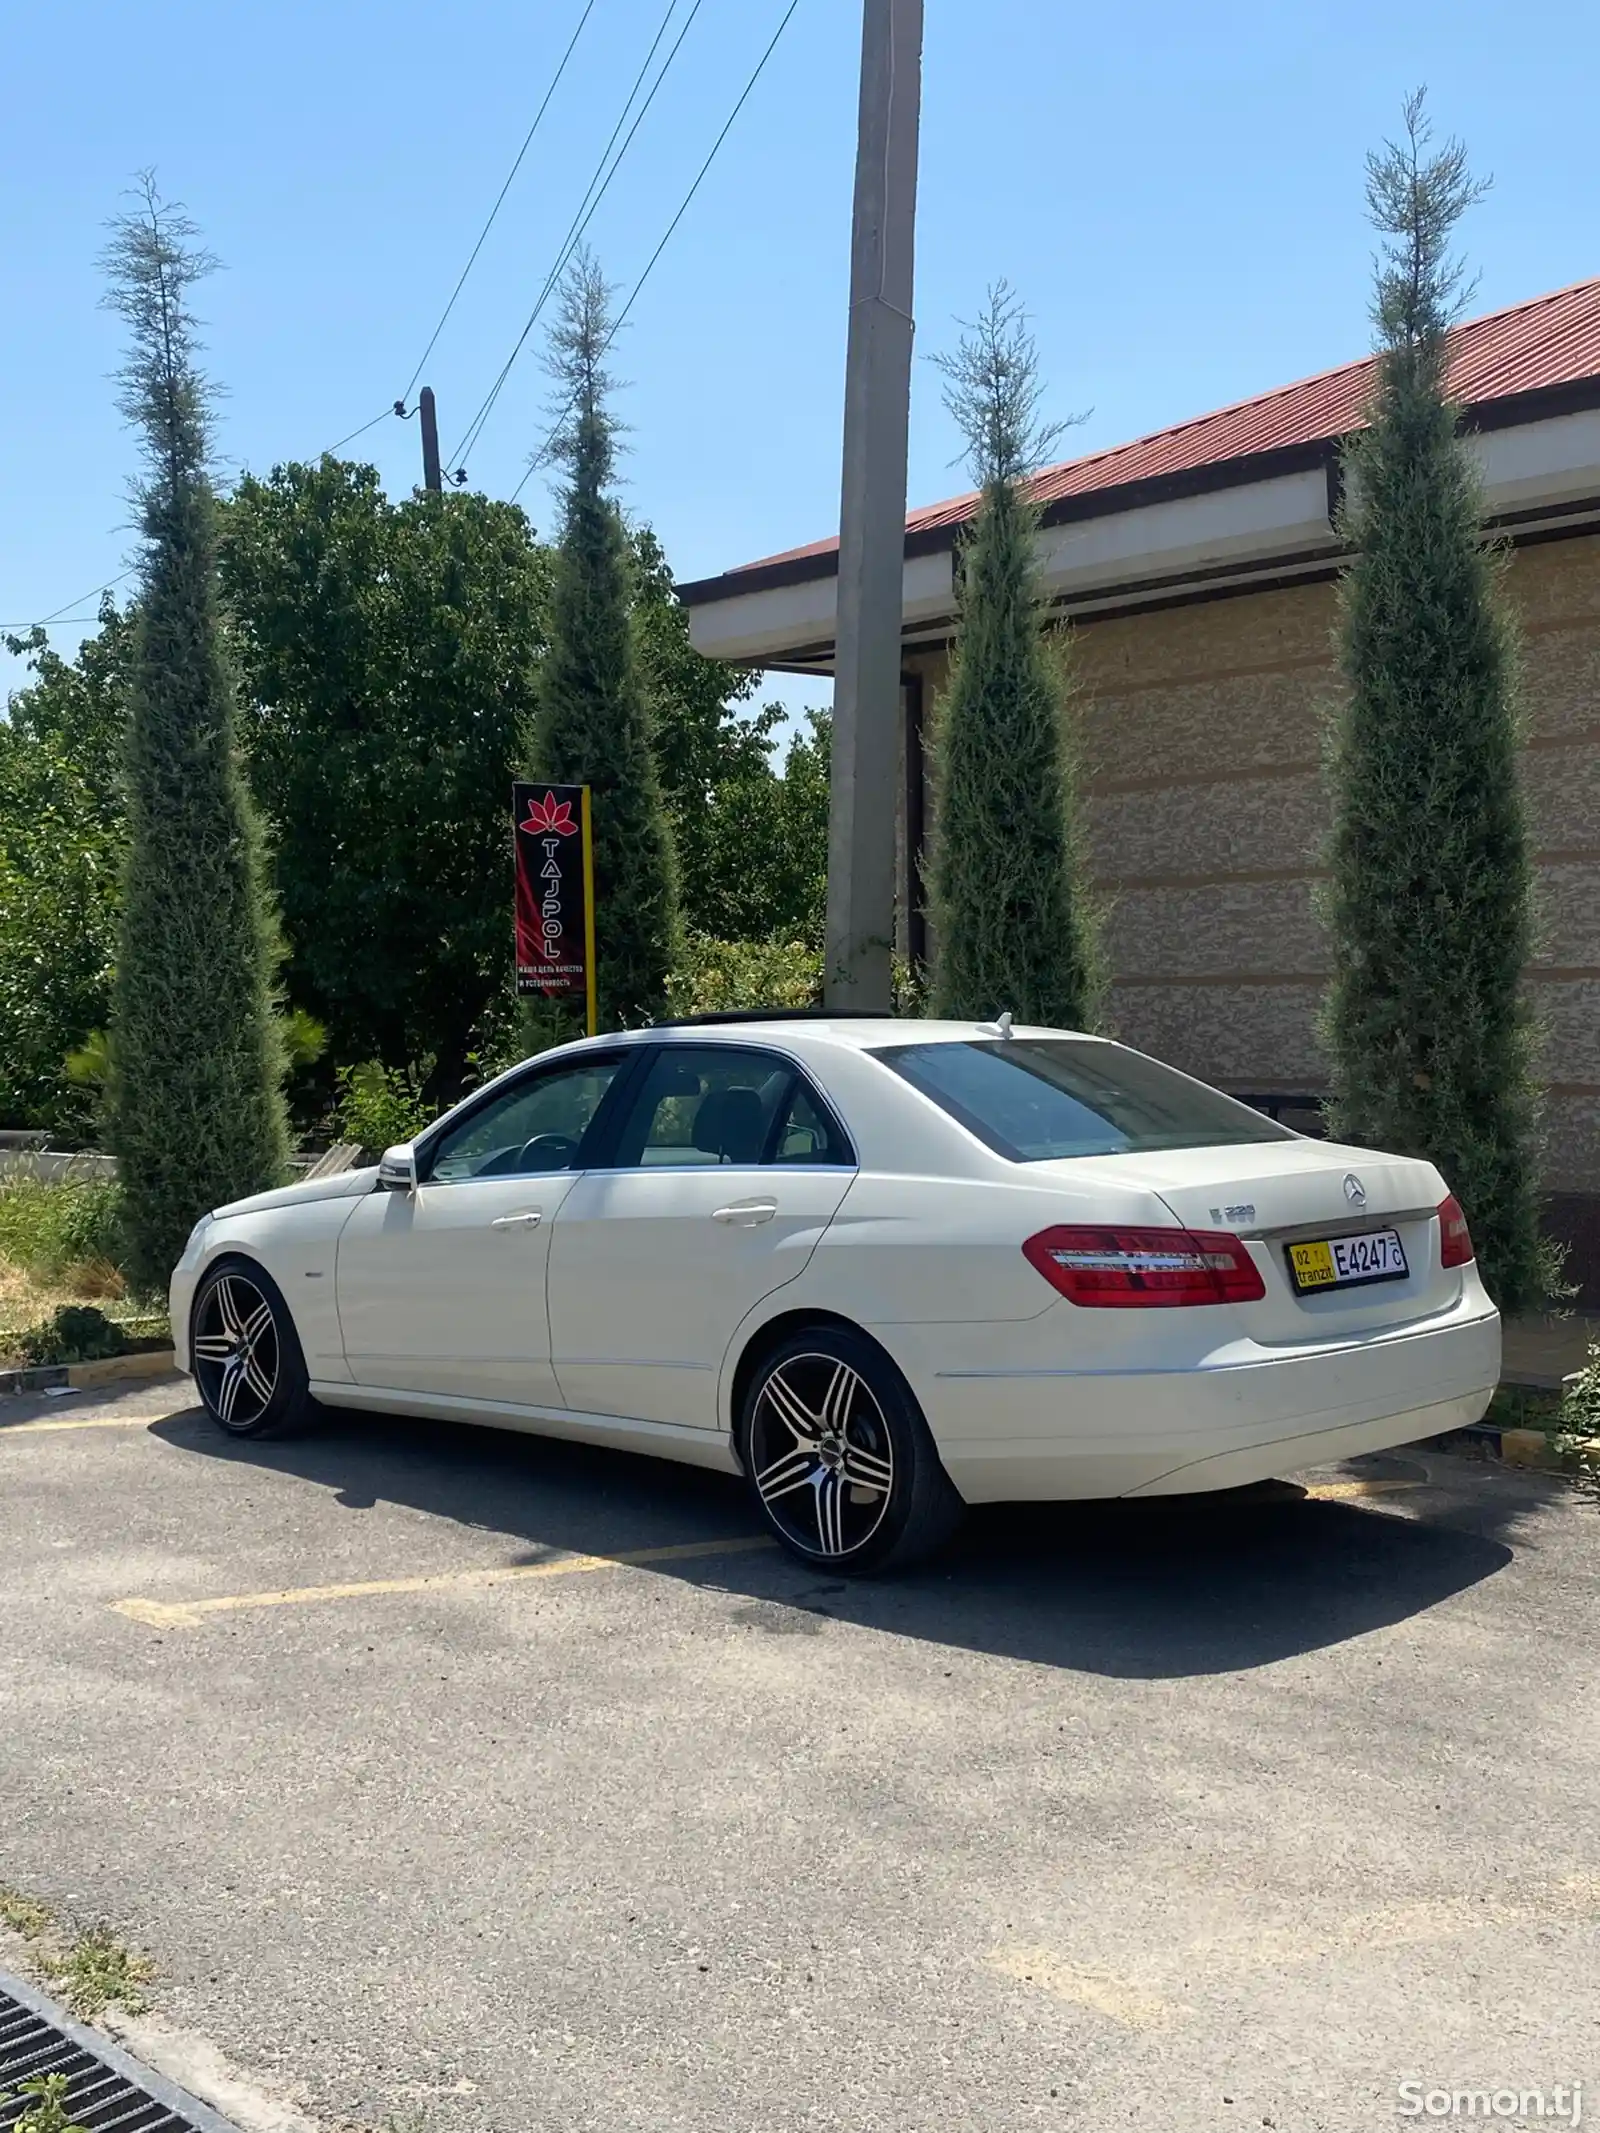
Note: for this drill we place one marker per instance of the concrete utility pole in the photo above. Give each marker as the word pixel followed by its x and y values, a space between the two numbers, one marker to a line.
pixel 431 477
pixel 872 512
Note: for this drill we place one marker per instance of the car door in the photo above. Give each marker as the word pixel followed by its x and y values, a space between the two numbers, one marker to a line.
pixel 442 1290
pixel 725 1169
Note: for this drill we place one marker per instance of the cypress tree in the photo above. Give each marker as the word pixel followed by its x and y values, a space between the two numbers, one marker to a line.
pixel 1014 925
pixel 1429 900
pixel 196 1112
pixel 592 725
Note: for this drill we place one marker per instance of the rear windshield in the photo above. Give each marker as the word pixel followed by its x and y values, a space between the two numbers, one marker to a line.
pixel 1036 1101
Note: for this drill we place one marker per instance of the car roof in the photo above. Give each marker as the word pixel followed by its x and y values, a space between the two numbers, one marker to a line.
pixel 855 1032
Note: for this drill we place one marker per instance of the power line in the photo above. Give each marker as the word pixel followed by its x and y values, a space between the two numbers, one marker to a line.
pixel 61 615
pixel 597 188
pixel 65 620
pixel 581 221
pixel 354 434
pixel 601 179
pixel 555 83
pixel 538 458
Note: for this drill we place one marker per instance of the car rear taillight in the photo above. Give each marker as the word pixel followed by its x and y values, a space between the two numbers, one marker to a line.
pixel 1455 1239
pixel 1126 1268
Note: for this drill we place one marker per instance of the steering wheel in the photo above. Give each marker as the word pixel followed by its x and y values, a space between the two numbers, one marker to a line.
pixel 548 1151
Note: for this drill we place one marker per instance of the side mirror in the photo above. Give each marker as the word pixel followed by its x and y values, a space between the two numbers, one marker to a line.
pixel 398 1170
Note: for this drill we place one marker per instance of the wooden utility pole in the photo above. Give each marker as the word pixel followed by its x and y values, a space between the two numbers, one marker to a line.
pixel 431 478
pixel 872 513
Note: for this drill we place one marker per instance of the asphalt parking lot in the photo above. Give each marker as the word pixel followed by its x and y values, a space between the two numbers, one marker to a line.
pixel 435 1810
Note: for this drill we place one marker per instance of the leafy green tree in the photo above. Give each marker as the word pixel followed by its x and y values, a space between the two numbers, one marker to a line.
pixel 1014 925
pixel 594 724
pixel 389 652
pixel 1429 900
pixel 196 1106
pixel 61 853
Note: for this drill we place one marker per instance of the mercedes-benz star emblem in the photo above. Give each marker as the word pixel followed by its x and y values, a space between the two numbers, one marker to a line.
pixel 1354 1191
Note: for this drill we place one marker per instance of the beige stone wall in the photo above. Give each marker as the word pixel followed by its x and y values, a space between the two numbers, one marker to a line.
pixel 1206 815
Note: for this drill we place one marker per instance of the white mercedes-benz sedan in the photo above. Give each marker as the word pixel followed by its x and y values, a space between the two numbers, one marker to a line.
pixel 882 1268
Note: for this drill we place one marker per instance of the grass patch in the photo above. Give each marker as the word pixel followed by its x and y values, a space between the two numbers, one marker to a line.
pixel 99 1971
pixel 53 1227
pixel 61 1248
pixel 24 1915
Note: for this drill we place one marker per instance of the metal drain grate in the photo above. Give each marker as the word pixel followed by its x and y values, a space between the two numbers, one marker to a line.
pixel 107 2092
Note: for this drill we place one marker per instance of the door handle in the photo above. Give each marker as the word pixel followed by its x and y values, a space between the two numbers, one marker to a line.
pixel 747 1213
pixel 530 1220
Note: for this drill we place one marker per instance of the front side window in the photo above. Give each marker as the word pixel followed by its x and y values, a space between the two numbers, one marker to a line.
pixel 1039 1100
pixel 536 1125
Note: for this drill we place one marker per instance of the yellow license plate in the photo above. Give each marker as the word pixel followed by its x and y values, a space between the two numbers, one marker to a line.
pixel 1347 1262
pixel 1313 1266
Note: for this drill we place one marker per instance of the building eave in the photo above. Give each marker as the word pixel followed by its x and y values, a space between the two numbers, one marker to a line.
pixel 1203 532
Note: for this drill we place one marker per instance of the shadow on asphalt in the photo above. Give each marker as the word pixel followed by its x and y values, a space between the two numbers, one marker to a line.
pixel 1148 1591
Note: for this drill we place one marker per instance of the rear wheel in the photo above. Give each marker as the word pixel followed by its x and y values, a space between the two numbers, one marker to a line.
pixel 839 1456
pixel 246 1355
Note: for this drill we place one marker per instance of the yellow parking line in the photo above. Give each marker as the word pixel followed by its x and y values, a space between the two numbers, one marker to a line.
pixel 1337 1491
pixel 188 1614
pixel 1101 1991
pixel 32 1429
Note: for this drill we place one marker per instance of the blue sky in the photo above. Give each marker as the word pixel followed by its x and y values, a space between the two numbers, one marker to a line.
pixel 1174 190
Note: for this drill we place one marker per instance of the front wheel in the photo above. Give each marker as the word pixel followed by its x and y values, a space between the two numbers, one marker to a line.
pixel 840 1459
pixel 246 1354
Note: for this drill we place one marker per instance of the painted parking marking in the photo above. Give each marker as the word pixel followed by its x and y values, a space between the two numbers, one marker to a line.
pixel 1120 1999
pixel 51 1426
pixel 1341 1491
pixel 189 1614
pixel 1153 1998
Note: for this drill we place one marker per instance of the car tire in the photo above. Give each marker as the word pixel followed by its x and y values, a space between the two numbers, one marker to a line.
pixel 839 1458
pixel 248 1364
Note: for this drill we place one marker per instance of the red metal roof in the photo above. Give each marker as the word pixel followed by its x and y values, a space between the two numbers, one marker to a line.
pixel 1554 340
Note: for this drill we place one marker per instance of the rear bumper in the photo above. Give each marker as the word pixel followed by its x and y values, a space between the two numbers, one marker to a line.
pixel 1017 1433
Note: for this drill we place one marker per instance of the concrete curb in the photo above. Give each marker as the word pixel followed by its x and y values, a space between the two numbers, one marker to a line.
pixel 147 1363
pixel 40 1377
pixel 99 2046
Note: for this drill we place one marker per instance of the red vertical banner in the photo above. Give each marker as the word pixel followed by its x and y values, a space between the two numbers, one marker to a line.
pixel 554 887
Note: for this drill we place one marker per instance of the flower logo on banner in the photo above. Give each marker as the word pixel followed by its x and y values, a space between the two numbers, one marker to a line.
pixel 549 814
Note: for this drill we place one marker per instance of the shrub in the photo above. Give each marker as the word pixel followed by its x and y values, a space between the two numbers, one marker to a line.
pixel 1580 1402
pixel 77 1333
pixel 380 1106
pixel 717 977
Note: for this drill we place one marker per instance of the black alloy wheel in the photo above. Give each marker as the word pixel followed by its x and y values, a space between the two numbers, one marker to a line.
pixel 246 1355
pixel 839 1456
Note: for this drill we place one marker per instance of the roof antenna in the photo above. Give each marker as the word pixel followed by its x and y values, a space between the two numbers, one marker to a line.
pixel 1001 1026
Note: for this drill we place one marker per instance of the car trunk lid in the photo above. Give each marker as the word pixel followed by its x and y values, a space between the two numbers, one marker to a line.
pixel 1277 1193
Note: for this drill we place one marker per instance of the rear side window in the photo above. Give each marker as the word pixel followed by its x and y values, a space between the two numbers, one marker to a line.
pixel 807 1135
pixel 707 1106
pixel 1038 1101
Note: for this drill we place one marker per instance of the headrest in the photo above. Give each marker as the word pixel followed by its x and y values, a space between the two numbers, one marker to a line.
pixel 730 1123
